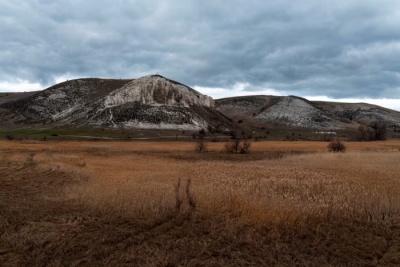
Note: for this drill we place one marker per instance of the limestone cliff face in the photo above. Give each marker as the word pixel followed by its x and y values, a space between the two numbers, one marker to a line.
pixel 156 90
pixel 156 102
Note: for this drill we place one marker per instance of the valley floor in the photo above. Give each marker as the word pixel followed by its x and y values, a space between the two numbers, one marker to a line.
pixel 80 203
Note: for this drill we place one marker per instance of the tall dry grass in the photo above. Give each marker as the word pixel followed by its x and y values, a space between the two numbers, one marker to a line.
pixel 293 190
pixel 355 185
pixel 110 204
pixel 78 146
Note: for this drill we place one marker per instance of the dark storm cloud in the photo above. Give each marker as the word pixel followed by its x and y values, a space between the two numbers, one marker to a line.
pixel 337 49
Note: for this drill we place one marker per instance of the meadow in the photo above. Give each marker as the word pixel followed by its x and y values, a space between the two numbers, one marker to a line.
pixel 81 203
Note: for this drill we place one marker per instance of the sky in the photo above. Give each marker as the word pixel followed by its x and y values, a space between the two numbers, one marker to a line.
pixel 343 50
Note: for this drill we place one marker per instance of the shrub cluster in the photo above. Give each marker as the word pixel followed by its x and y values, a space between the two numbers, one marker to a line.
pixel 375 131
pixel 238 146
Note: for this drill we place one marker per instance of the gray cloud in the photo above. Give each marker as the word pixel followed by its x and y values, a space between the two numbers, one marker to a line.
pixel 340 50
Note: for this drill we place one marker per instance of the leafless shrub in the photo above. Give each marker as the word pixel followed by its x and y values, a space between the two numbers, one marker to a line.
pixel 245 147
pixel 232 146
pixel 336 146
pixel 236 146
pixel 201 145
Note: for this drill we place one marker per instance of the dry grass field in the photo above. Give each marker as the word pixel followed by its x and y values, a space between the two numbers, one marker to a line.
pixel 161 204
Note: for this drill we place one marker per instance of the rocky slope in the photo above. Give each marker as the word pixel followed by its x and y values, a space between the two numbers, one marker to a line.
pixel 148 102
pixel 298 112
pixel 361 113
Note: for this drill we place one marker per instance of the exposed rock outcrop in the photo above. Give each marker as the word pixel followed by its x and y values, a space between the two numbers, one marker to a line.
pixel 297 112
pixel 157 91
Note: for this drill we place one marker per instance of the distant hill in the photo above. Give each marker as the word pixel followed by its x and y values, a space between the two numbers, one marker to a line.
pixel 152 102
pixel 292 111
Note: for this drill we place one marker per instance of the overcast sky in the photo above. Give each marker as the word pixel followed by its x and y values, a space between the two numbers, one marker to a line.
pixel 342 50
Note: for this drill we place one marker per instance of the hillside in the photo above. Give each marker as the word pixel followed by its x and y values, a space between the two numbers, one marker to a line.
pixel 292 111
pixel 152 102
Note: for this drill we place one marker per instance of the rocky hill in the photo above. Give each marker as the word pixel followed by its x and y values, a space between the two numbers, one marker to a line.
pixel 148 102
pixel 155 102
pixel 292 111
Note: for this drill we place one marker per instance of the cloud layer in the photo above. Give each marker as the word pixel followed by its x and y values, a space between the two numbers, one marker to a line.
pixel 337 49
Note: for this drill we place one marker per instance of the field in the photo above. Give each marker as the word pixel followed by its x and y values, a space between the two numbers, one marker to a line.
pixel 135 203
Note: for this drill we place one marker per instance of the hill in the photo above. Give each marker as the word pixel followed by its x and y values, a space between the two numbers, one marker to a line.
pixel 152 102
pixel 155 102
pixel 292 111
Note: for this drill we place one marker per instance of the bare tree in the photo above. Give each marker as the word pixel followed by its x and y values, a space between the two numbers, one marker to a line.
pixel 232 146
pixel 363 133
pixel 201 144
pixel 375 131
pixel 379 129
pixel 245 147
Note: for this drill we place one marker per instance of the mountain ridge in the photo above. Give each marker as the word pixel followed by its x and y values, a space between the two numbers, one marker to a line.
pixel 159 103
pixel 293 111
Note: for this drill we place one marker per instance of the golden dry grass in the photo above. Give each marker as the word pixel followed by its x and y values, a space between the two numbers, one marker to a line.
pixel 117 204
pixel 188 146
pixel 317 185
